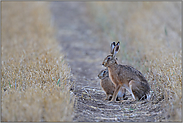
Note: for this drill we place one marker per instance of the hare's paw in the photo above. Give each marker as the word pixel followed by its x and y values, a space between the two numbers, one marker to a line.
pixel 105 98
pixel 112 100
pixel 125 98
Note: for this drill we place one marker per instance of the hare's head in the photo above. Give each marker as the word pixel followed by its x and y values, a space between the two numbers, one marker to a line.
pixel 111 59
pixel 104 73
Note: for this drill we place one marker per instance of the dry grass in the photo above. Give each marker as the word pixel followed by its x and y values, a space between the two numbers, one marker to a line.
pixel 150 36
pixel 35 78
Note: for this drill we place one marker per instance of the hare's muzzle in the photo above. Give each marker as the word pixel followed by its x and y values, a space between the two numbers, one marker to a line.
pixel 98 75
pixel 104 63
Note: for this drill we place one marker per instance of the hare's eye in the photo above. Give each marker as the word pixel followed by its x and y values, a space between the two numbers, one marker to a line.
pixel 108 58
pixel 104 72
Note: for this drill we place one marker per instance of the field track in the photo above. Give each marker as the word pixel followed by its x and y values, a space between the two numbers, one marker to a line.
pixel 84 51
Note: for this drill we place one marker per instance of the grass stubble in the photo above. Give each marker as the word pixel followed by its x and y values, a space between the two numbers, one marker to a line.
pixel 35 80
pixel 150 37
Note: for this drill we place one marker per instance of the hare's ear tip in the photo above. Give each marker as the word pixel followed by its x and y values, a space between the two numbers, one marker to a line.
pixel 112 47
pixel 113 43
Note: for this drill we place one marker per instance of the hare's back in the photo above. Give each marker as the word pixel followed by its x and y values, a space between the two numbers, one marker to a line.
pixel 131 73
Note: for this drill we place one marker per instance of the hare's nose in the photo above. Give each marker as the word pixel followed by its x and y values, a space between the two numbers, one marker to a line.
pixel 102 63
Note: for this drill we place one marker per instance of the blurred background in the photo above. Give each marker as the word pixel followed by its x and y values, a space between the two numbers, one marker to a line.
pixel 150 40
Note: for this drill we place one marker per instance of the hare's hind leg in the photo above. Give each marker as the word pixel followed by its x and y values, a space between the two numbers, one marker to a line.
pixel 115 93
pixel 132 85
pixel 138 90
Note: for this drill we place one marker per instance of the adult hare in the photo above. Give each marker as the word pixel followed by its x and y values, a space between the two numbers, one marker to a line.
pixel 126 76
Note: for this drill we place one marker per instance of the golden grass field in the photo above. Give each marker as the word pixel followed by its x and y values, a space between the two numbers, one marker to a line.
pixel 150 37
pixel 35 78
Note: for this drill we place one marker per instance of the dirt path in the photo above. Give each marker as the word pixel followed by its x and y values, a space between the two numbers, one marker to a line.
pixel 85 52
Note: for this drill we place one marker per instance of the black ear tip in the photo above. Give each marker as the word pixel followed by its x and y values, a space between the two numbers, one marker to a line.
pixel 118 43
pixel 113 43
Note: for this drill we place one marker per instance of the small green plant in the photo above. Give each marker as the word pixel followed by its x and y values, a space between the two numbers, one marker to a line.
pixel 9 84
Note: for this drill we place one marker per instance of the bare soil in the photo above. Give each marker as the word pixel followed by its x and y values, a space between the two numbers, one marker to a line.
pixel 84 50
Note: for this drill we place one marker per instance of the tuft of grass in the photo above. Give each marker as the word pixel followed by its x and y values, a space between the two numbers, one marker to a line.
pixel 150 36
pixel 31 62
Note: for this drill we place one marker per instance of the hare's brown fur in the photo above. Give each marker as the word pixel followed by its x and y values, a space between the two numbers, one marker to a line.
pixel 126 76
pixel 108 86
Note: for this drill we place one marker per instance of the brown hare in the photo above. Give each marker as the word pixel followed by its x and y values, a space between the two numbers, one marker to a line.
pixel 109 87
pixel 126 76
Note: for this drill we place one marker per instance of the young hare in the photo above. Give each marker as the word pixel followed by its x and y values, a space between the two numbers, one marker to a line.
pixel 108 86
pixel 126 76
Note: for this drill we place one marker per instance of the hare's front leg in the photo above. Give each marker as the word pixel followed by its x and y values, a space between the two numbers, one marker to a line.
pixel 115 93
pixel 107 96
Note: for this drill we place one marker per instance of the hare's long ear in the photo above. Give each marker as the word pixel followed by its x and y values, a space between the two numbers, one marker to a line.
pixel 112 47
pixel 116 49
